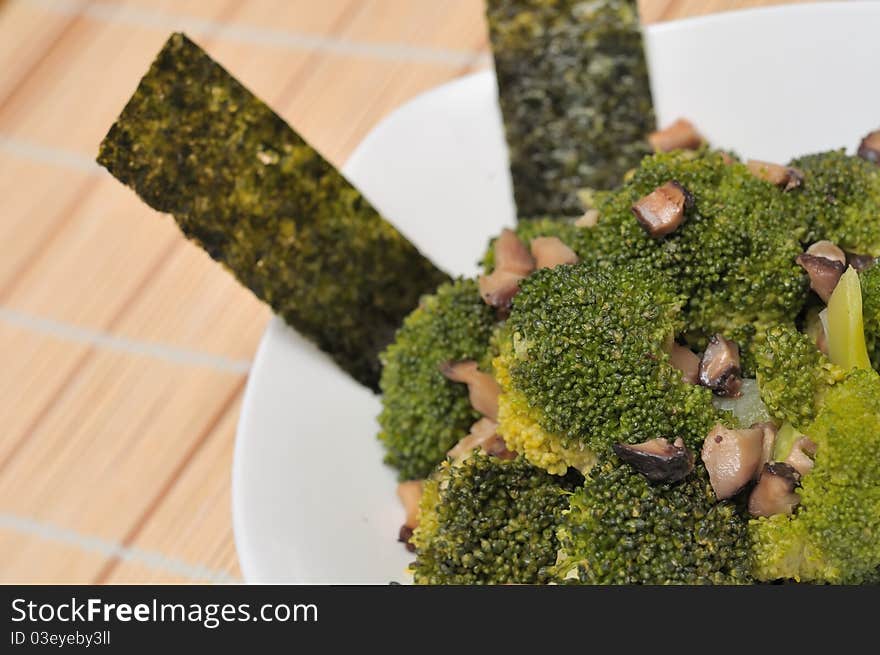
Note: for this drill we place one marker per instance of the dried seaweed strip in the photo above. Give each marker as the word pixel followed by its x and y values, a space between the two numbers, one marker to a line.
pixel 195 143
pixel 574 93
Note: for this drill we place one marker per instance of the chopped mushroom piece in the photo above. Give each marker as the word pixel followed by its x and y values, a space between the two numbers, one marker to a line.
pixel 732 458
pixel 483 435
pixel 774 493
pixel 498 288
pixel 550 252
pixel 513 262
pixel 869 148
pixel 824 273
pixel 657 459
pixel 720 368
pixel 686 361
pixel 589 219
pixel 681 135
pixel 483 390
pixel 512 255
pixel 662 211
pixel 828 250
pixel 801 456
pixel 860 262
pixel 786 177
pixel 410 493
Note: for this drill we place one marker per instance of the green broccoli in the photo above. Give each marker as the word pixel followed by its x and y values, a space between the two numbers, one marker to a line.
pixel 622 529
pixel 835 534
pixel 582 365
pixel 486 520
pixel 841 200
pixel 423 413
pixel 870 281
pixel 793 375
pixel 734 256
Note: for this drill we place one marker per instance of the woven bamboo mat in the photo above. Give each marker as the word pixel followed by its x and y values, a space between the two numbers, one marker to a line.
pixel 124 350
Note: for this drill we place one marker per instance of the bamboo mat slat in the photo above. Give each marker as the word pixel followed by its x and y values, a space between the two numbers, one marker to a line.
pixel 124 348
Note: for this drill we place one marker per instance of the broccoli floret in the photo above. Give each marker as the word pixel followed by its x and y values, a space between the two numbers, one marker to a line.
pixel 870 281
pixel 585 361
pixel 841 200
pixel 489 521
pixel 734 256
pixel 622 529
pixel 835 534
pixel 793 375
pixel 527 229
pixel 423 413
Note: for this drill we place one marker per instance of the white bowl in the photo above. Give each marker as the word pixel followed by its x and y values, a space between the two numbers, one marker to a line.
pixel 312 501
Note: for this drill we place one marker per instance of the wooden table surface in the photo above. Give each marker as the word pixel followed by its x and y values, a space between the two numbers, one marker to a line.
pixel 124 350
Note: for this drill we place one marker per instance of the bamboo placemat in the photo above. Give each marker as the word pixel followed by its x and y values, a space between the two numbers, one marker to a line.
pixel 125 349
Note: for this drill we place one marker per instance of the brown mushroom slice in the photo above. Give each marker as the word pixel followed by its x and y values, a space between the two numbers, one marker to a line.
pixel 680 135
pixel 550 252
pixel 483 435
pixel 828 250
pixel 774 494
pixel 803 450
pixel 483 390
pixel 662 211
pixel 410 494
pixel 785 177
pixel 589 219
pixel 686 361
pixel 657 459
pixel 720 368
pixel 499 287
pixel 869 148
pixel 497 447
pixel 824 274
pixel 511 254
pixel 732 458
pixel 860 262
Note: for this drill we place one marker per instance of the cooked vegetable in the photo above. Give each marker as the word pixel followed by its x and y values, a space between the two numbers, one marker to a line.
pixel 733 458
pixel 423 413
pixel 835 534
pixel 733 259
pixel 489 521
pixel 574 94
pixel 774 494
pixel 662 211
pixel 583 365
pixel 869 148
pixel 846 332
pixel 193 142
pixel 623 529
pixel 839 197
pixel 824 262
pixel 786 177
pixel 870 286
pixel 550 252
pixel 530 229
pixel 793 375
pixel 483 391
pixel 657 459
pixel 680 135
pixel 720 368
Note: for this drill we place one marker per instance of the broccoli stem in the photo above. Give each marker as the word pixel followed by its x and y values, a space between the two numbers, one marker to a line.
pixel 785 439
pixel 846 333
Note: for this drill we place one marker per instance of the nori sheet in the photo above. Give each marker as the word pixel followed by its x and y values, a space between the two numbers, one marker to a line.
pixel 574 92
pixel 195 143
